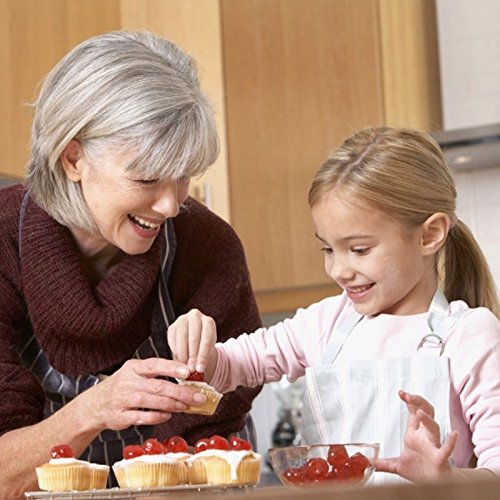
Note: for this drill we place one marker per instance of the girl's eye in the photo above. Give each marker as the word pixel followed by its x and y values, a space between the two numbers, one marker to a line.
pixel 360 250
pixel 327 250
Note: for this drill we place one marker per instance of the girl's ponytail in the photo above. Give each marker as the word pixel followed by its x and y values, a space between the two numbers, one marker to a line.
pixel 465 272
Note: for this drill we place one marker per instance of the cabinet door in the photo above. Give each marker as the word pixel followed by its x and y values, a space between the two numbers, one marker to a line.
pixel 34 35
pixel 300 75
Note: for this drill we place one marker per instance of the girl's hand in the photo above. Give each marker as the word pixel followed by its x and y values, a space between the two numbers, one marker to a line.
pixel 423 457
pixel 192 338
pixel 134 395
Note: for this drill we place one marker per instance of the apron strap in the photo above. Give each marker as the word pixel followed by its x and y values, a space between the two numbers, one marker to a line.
pixel 439 320
pixel 341 332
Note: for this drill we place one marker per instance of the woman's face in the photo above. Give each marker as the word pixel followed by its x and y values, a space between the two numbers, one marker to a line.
pixel 382 265
pixel 127 210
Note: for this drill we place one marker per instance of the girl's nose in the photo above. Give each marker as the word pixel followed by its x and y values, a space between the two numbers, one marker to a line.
pixel 340 270
pixel 167 203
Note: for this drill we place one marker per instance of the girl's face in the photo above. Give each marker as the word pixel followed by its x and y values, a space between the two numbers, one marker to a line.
pixel 128 210
pixel 380 263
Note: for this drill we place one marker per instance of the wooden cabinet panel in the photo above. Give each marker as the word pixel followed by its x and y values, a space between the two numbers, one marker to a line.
pixel 299 77
pixel 34 35
pixel 410 63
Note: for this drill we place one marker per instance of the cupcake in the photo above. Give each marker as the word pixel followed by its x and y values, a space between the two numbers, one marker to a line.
pixel 176 448
pixel 147 466
pixel 196 380
pixel 225 462
pixel 65 473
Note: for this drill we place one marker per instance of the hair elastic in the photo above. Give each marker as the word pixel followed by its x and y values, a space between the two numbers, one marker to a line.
pixel 453 222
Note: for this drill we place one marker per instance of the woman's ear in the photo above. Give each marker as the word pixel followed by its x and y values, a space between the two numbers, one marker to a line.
pixel 434 232
pixel 70 158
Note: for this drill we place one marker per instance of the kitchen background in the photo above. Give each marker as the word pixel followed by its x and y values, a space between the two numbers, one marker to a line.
pixel 289 79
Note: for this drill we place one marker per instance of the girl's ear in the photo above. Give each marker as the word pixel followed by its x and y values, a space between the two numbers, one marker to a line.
pixel 70 158
pixel 434 232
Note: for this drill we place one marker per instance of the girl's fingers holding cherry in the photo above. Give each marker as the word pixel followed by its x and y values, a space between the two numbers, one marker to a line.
pixel 206 343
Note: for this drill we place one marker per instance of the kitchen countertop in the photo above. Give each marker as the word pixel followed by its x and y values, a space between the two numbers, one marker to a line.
pixel 485 489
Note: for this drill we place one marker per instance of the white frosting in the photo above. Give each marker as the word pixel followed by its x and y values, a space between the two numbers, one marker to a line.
pixel 72 460
pixel 233 458
pixel 178 456
pixel 196 383
pixel 66 461
pixel 149 459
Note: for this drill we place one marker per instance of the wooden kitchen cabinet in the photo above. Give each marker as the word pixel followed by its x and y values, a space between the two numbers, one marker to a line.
pixel 289 79
pixel 299 77
pixel 34 35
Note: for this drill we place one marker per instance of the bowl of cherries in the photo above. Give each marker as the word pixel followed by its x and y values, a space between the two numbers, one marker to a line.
pixel 347 463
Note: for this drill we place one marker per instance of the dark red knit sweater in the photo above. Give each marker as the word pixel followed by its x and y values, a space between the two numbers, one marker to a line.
pixel 84 330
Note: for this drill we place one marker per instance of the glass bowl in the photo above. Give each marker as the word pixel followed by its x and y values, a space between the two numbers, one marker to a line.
pixel 297 466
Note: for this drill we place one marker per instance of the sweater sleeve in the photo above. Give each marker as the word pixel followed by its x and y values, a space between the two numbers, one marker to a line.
pixel 210 273
pixel 22 399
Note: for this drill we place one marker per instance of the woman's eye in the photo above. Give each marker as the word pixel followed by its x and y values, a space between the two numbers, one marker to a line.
pixel 147 181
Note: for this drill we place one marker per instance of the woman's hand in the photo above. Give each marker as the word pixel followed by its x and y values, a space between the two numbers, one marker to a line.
pixel 134 395
pixel 192 338
pixel 423 457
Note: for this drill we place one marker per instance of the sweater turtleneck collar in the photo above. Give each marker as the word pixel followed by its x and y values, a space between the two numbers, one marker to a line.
pixel 83 329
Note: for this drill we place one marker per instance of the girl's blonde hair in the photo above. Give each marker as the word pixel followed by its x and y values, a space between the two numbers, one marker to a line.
pixel 123 90
pixel 404 173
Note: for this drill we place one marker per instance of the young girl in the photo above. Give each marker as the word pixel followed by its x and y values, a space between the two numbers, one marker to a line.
pixel 418 318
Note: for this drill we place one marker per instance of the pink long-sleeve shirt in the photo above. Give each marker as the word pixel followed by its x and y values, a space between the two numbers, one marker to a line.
pixel 473 346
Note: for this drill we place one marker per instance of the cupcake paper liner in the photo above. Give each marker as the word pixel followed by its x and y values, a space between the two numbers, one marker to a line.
pixel 209 407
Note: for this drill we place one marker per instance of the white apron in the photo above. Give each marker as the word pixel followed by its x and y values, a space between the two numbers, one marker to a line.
pixel 358 401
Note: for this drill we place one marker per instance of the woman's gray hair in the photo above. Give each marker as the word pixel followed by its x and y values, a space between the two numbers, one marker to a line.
pixel 127 90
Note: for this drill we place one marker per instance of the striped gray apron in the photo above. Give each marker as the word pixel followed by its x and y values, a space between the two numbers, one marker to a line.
pixel 60 388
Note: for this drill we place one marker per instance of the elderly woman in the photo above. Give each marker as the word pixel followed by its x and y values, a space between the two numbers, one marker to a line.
pixel 102 250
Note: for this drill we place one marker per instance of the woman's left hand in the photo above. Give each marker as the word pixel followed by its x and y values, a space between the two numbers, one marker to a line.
pixel 423 456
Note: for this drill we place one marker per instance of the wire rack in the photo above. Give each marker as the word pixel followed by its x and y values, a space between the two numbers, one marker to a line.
pixel 137 493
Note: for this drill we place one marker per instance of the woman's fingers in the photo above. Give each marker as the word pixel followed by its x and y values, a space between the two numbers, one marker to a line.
pixel 138 394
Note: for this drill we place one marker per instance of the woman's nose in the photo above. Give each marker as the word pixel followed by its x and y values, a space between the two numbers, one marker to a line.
pixel 166 203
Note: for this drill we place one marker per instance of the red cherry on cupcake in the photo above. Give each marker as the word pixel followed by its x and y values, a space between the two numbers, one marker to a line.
pixel 153 447
pixel 62 451
pixel 132 451
pixel 176 444
pixel 201 445
pixel 196 377
pixel 237 444
pixel 218 443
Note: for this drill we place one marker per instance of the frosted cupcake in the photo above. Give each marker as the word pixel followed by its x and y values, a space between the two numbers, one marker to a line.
pixel 147 466
pixel 196 380
pixel 65 473
pixel 226 462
